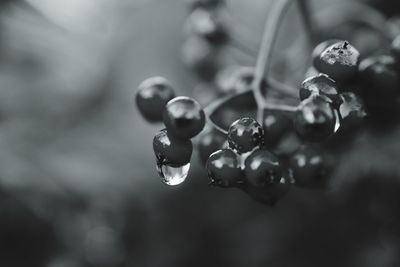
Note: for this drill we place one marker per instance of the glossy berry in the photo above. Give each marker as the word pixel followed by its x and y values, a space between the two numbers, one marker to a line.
pixel 351 111
pixel 171 151
pixel 320 84
pixel 307 166
pixel 395 49
pixel 380 79
pixel 223 168
pixel 315 119
pixel 184 117
pixel 209 142
pixel 275 126
pixel 245 134
pixel 262 168
pixel 316 53
pixel 339 61
pixel 151 97
pixel 206 25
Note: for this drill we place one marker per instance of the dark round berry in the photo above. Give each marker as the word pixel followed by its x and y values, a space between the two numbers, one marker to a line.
pixel 339 61
pixel 395 49
pixel 210 142
pixel 351 111
pixel 245 134
pixel 224 169
pixel 307 166
pixel 151 97
pixel 320 84
pixel 275 126
pixel 205 24
pixel 262 168
pixel 315 119
pixel 380 79
pixel 316 53
pixel 184 117
pixel 270 193
pixel 171 151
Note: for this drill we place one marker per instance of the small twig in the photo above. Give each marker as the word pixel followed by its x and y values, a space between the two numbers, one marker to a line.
pixel 276 14
pixel 214 106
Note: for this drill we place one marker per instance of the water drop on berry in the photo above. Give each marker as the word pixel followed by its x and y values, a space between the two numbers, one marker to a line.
pixel 173 175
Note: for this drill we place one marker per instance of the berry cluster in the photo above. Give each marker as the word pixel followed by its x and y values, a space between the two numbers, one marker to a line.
pixel 183 118
pixel 246 164
pixel 263 135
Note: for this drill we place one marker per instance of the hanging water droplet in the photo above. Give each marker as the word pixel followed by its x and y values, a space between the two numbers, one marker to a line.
pixel 171 175
pixel 337 122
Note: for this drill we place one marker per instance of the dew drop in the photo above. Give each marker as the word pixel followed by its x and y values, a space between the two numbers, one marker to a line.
pixel 173 175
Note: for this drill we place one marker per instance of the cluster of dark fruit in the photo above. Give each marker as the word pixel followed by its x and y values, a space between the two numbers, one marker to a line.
pixel 335 98
pixel 251 161
pixel 183 118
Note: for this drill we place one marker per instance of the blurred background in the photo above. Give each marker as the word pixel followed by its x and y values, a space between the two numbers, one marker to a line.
pixel 78 185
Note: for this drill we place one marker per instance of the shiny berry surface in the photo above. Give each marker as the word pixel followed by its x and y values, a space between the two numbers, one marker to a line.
pixel 151 97
pixel 339 61
pixel 208 143
pixel 307 165
pixel 171 151
pixel 320 84
pixel 223 168
pixel 380 78
pixel 245 134
pixel 275 126
pixel 315 119
pixel 262 168
pixel 184 117
pixel 316 53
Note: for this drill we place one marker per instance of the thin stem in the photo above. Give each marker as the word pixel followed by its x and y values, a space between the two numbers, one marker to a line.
pixel 276 14
pixel 277 11
pixel 214 106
